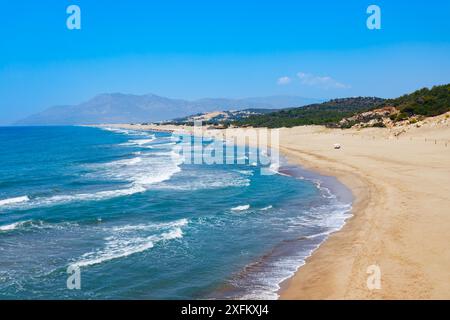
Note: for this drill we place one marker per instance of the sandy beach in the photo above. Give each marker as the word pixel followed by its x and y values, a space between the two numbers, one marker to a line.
pixel 401 214
pixel 400 180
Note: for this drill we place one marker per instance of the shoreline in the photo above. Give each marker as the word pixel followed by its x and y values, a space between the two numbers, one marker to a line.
pixel 291 288
pixel 395 176
pixel 389 225
pixel 359 199
pixel 343 193
pixel 295 170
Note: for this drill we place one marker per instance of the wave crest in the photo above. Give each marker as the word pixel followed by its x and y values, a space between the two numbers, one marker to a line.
pixel 132 239
pixel 14 200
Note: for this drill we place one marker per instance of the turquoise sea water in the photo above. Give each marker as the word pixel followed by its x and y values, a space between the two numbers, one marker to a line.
pixel 141 224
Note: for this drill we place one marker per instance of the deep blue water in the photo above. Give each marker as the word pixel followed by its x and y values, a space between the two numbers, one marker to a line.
pixel 141 224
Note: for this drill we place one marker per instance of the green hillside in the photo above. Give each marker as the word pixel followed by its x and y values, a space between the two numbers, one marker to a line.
pixel 327 113
pixel 425 102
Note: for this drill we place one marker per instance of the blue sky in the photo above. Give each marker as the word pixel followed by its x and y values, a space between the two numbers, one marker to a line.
pixel 222 48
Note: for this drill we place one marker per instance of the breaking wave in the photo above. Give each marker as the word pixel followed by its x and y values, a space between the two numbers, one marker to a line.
pixel 140 172
pixel 132 239
pixel 241 208
pixel 15 200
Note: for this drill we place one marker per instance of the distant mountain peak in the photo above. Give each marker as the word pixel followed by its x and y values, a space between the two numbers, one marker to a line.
pixel 119 107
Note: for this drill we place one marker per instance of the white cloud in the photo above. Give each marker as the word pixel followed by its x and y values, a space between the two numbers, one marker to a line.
pixel 284 81
pixel 321 81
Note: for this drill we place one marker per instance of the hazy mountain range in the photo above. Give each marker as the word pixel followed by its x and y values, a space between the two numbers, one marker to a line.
pixel 129 108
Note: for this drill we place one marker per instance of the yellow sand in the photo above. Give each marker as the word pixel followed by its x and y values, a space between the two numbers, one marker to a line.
pixel 401 221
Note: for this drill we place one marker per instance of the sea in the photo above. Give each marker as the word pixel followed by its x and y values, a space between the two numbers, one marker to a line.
pixel 108 213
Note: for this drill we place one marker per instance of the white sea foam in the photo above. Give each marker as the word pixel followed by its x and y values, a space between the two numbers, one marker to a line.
pixel 161 171
pixel 114 250
pixel 100 195
pixel 141 142
pixel 144 170
pixel 203 185
pixel 265 281
pixel 320 234
pixel 31 224
pixel 241 208
pixel 127 162
pixel 275 169
pixel 68 198
pixel 266 208
pixel 246 172
pixel 265 284
pixel 12 226
pixel 216 180
pixel 140 172
pixel 116 130
pixel 128 240
pixel 157 145
pixel 15 200
pixel 126 131
pixel 335 219
pixel 326 193
pixel 151 226
pixel 330 216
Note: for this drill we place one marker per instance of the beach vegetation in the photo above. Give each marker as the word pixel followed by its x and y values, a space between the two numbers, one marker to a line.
pixel 327 113
pixel 419 104
pixel 379 124
pixel 426 102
